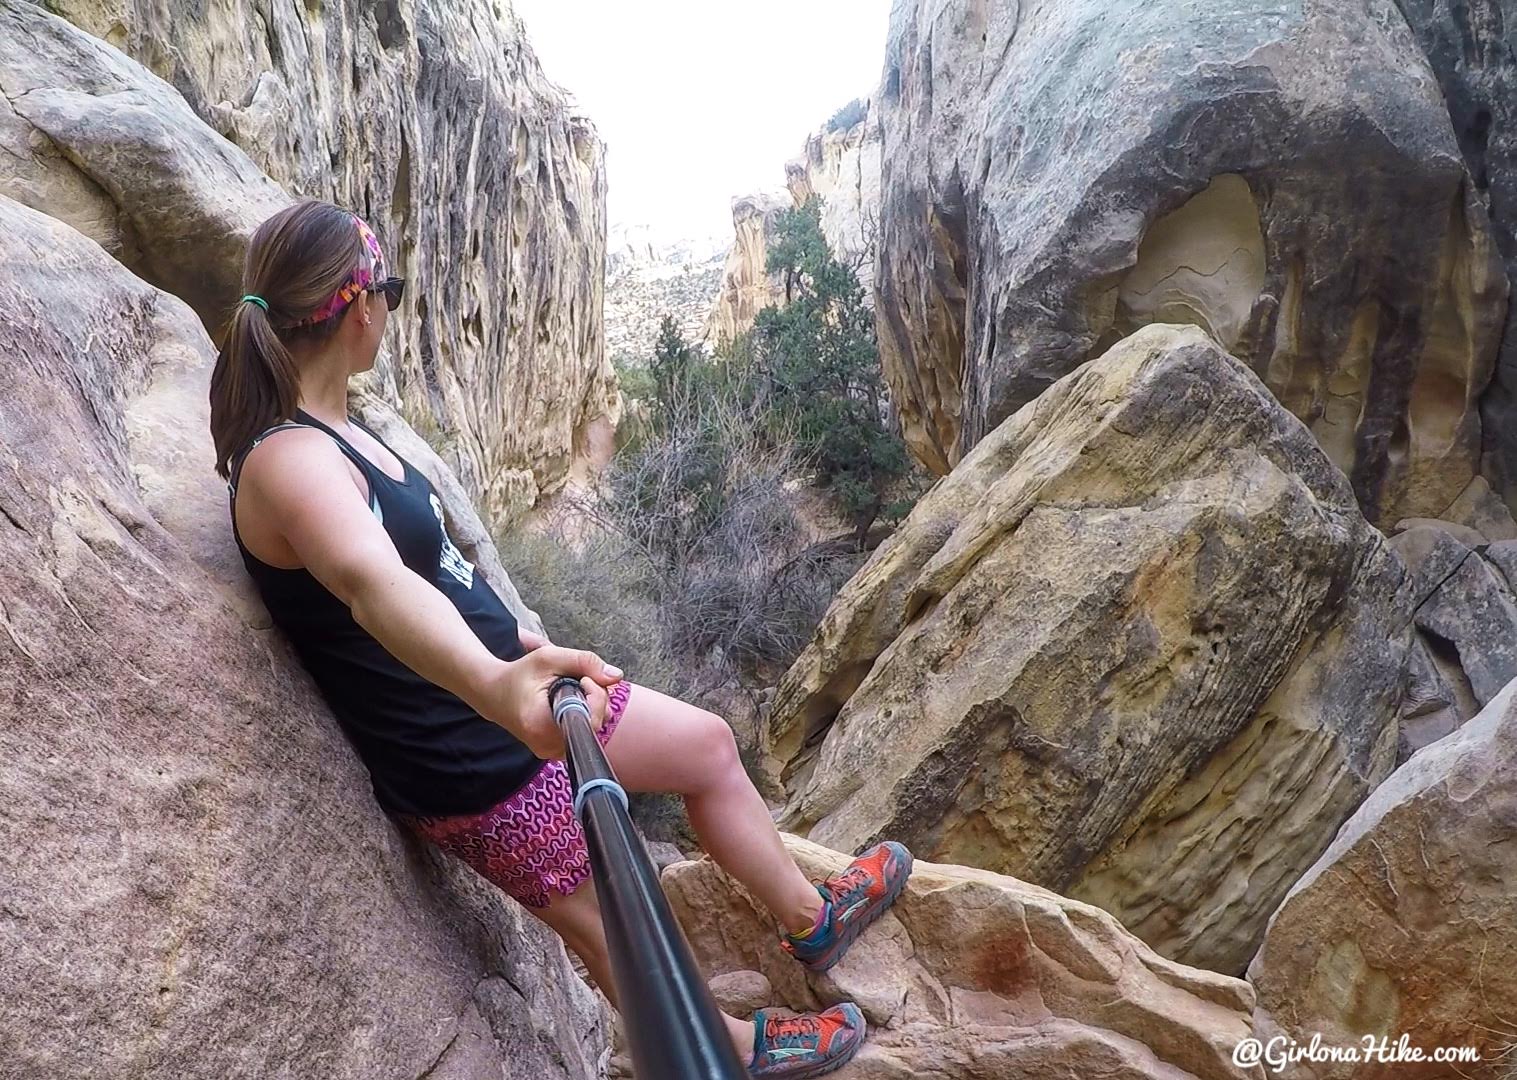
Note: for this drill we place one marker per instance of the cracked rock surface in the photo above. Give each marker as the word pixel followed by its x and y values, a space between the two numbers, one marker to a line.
pixel 1408 922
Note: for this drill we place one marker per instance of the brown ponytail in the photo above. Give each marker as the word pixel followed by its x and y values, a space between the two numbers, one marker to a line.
pixel 296 260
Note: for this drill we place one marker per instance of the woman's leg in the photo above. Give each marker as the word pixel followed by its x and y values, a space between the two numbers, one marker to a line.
pixel 664 744
pixel 576 919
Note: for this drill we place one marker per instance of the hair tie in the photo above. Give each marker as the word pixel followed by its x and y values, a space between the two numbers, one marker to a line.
pixel 260 301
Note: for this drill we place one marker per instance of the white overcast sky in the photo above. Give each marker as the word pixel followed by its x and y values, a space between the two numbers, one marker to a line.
pixel 701 100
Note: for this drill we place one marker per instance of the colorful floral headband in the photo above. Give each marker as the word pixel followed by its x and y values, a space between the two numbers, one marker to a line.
pixel 362 278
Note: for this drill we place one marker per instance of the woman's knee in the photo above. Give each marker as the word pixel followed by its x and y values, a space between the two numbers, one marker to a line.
pixel 714 747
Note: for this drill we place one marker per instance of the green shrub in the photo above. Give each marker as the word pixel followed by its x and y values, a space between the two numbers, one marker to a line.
pixel 705 507
pixel 813 364
pixel 848 115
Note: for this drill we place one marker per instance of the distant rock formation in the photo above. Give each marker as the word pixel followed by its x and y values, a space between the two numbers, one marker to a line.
pixel 747 287
pixel 1056 176
pixel 975 976
pixel 1139 647
pixel 434 121
pixel 841 167
pixel 1408 922
pixel 647 279
pixel 193 860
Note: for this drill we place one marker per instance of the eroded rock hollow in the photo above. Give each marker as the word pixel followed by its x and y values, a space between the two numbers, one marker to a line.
pixel 1056 175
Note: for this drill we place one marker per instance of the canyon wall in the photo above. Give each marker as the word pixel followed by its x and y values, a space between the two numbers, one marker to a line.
pixel 435 122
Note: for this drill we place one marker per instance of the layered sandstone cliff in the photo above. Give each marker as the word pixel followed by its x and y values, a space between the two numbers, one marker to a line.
pixel 435 122
pixel 747 285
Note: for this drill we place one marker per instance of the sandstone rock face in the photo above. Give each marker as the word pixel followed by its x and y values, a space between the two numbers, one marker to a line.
pixel 1056 175
pixel 842 168
pixel 747 288
pixel 97 142
pixel 435 122
pixel 975 976
pixel 1408 922
pixel 1473 50
pixel 194 878
pixel 1140 647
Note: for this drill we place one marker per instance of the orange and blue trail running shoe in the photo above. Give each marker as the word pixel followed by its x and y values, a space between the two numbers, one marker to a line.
pixel 852 900
pixel 813 1044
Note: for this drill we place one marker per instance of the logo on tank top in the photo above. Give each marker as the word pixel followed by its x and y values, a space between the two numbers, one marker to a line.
pixel 452 559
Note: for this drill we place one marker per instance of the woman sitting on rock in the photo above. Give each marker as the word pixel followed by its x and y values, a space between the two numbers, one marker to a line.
pixel 442 696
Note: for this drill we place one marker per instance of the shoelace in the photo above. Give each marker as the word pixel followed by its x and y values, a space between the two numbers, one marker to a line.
pixel 847 884
pixel 792 1030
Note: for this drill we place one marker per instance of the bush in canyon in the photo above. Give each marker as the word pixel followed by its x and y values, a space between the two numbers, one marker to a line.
pixel 812 369
pixel 706 506
pixel 848 115
pixel 700 510
pixel 636 387
pixel 676 366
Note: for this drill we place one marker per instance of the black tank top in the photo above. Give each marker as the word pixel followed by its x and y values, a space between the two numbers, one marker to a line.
pixel 426 750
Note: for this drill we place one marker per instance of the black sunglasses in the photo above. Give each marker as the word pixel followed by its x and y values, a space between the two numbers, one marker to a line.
pixel 393 288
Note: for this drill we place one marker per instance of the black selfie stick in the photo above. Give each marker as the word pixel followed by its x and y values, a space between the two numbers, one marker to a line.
pixel 673 1027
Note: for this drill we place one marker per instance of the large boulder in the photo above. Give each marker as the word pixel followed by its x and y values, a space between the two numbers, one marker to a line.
pixel 975 976
pixel 1056 175
pixel 196 880
pixel 433 120
pixel 1407 925
pixel 1139 647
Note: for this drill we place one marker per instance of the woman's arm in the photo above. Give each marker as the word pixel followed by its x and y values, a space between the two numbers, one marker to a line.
pixel 302 482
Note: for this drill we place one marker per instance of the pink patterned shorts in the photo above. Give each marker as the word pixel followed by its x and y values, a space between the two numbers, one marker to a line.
pixel 529 843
